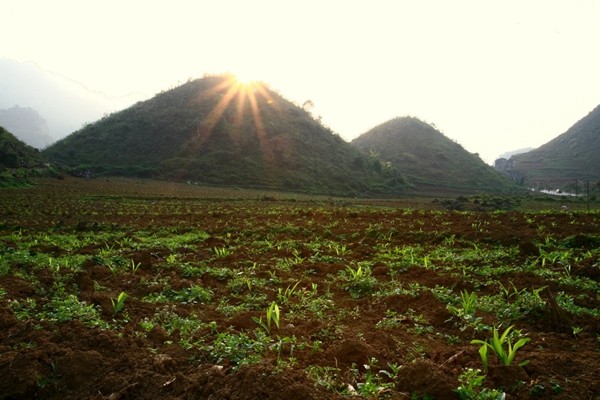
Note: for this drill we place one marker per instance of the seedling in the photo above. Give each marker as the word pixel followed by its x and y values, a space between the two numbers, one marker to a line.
pixel 506 355
pixel 359 281
pixel 468 305
pixel 283 295
pixel 272 316
pixel 134 266
pixel 470 386
pixel 119 303
pixel 221 251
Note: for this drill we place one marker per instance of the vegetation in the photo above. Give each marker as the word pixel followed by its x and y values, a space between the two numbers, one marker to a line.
pixel 427 159
pixel 20 163
pixel 223 292
pixel 567 162
pixel 217 131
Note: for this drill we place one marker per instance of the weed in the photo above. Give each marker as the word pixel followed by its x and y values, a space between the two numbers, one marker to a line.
pixel 192 295
pixel 358 282
pixel 239 349
pixel 470 387
pixel 371 384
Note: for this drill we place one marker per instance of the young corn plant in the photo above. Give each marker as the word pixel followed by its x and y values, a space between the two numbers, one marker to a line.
pixel 283 295
pixel 271 317
pixel 119 303
pixel 222 251
pixel 468 305
pixel 358 282
pixel 134 266
pixel 497 343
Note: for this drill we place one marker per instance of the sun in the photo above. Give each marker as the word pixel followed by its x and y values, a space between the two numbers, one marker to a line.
pixel 245 79
pixel 247 96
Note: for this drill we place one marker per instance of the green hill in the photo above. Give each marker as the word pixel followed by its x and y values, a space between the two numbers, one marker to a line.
pixel 18 161
pixel 16 154
pixel 559 163
pixel 216 130
pixel 430 161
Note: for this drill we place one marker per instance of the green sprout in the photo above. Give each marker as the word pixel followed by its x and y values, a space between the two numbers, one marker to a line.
pixel 272 316
pixel 134 266
pixel 506 355
pixel 119 303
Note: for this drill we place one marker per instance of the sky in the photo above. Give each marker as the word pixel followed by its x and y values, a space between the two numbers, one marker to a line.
pixel 494 76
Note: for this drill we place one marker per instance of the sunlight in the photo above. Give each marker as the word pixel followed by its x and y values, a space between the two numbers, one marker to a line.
pixel 246 80
pixel 246 96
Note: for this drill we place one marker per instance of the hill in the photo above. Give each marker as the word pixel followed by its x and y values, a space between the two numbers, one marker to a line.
pixel 559 163
pixel 216 130
pixel 18 161
pixel 428 160
pixel 27 125
pixel 14 153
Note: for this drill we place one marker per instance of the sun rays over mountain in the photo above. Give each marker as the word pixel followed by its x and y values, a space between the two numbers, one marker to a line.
pixel 221 130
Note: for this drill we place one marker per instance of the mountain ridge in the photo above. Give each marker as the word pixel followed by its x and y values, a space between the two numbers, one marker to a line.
pixel 427 158
pixel 215 130
pixel 571 156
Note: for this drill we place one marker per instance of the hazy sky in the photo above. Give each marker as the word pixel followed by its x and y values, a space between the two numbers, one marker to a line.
pixel 492 75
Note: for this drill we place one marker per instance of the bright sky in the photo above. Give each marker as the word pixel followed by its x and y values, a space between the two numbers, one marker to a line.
pixel 493 75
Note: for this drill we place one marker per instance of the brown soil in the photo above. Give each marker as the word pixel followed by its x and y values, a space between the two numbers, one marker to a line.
pixel 69 360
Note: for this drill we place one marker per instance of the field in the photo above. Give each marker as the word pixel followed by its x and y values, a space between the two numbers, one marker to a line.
pixel 142 290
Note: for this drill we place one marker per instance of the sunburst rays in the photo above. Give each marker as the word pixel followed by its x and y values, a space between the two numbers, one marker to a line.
pixel 245 97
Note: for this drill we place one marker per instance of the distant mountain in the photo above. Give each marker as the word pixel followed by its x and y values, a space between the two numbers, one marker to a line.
pixel 20 162
pixel 574 155
pixel 216 130
pixel 65 104
pixel 509 154
pixel 14 153
pixel 429 160
pixel 27 125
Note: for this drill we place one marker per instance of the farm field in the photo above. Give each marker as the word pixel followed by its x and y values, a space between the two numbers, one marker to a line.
pixel 127 289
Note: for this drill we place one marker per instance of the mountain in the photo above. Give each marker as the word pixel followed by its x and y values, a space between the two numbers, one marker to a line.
pixel 27 125
pixel 216 130
pixel 65 104
pixel 559 163
pixel 14 153
pixel 509 154
pixel 429 160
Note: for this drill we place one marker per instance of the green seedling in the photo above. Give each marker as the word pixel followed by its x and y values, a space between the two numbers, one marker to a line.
pixel 222 251
pixel 134 266
pixel 283 295
pixel 272 316
pixel 468 305
pixel 119 303
pixel 468 302
pixel 356 274
pixel 506 355
pixel 471 381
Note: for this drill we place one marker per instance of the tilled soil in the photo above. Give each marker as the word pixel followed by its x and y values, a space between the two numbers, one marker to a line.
pixel 70 358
